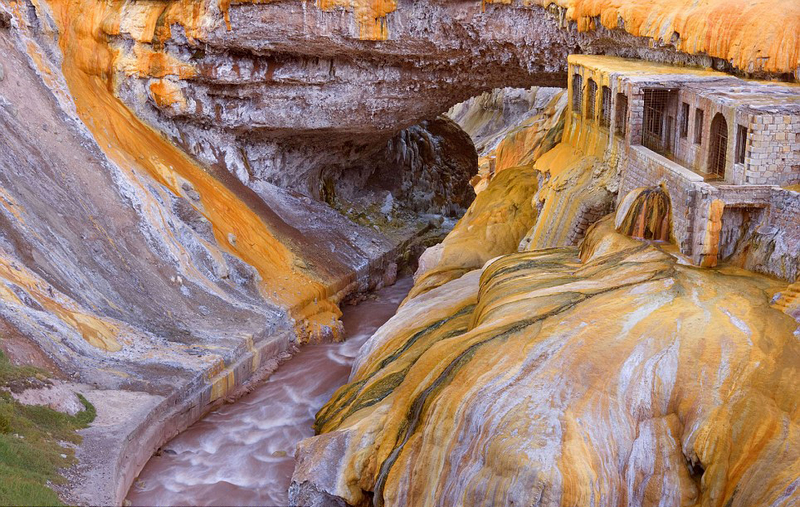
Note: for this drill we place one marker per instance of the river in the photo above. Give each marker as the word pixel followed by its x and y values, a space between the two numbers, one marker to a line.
pixel 243 453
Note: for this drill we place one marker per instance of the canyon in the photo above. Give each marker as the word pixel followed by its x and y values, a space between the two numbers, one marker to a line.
pixel 600 203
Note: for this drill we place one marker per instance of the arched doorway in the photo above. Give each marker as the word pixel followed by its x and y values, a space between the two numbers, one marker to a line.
pixel 719 146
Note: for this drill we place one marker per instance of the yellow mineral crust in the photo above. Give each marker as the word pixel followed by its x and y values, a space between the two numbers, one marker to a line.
pixel 789 300
pixel 608 376
pixel 577 173
pixel 524 144
pixel 89 67
pixel 512 212
pixel 97 332
pixel 754 35
pixel 493 225
pixel 645 213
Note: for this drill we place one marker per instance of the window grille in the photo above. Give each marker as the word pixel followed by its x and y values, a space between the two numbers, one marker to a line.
pixel 698 126
pixel 653 130
pixel 621 114
pixel 591 90
pixel 577 93
pixel 605 107
pixel 741 144
pixel 684 120
pixel 719 146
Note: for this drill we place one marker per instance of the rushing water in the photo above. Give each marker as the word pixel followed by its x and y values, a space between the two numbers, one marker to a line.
pixel 243 454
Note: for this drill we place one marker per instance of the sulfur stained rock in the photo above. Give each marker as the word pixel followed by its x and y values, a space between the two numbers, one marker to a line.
pixel 131 266
pixel 511 127
pixel 493 225
pixel 176 235
pixel 279 92
pixel 611 375
pixel 645 213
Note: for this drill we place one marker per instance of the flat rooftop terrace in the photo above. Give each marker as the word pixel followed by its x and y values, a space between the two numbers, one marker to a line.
pixel 758 96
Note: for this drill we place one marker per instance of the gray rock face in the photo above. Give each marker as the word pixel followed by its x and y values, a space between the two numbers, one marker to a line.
pixel 291 91
pixel 425 168
pixel 491 116
pixel 124 284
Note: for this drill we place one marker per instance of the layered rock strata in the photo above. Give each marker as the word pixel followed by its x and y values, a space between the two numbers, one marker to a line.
pixel 158 285
pixel 167 168
pixel 277 92
pixel 511 127
pixel 511 385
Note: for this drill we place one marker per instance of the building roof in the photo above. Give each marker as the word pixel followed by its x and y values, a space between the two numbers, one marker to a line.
pixel 766 97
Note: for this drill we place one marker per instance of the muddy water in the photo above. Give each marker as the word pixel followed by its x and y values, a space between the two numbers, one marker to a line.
pixel 243 454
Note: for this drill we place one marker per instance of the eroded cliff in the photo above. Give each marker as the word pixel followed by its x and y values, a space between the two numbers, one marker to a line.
pixel 190 189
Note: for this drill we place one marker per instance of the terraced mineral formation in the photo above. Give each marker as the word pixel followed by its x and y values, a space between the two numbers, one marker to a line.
pixel 511 385
pixel 190 189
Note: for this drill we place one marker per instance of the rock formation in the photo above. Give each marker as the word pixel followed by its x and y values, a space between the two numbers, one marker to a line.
pixel 511 127
pixel 191 188
pixel 512 385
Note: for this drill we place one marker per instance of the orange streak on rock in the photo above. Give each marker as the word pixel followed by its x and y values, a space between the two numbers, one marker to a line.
pixel 754 35
pixel 167 93
pixel 89 66
pixel 370 15
pixel 95 331
pixel 711 240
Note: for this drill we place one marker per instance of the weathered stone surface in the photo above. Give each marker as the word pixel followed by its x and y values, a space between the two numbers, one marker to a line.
pixel 426 169
pixel 512 385
pixel 133 268
pixel 279 91
pixel 57 396
pixel 166 166
pixel 511 127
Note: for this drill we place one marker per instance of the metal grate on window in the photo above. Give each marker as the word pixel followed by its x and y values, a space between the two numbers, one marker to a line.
pixel 684 120
pixel 591 97
pixel 655 105
pixel 577 93
pixel 605 107
pixel 621 114
pixel 698 126
pixel 719 146
pixel 741 144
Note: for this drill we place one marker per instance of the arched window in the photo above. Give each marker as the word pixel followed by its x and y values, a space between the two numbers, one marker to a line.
pixel 591 97
pixel 577 93
pixel 622 114
pixel 718 148
pixel 605 107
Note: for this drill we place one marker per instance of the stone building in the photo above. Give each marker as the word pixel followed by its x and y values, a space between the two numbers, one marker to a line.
pixel 726 149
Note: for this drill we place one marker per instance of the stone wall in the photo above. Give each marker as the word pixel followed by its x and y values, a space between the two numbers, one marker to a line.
pixel 696 155
pixel 746 214
pixel 646 168
pixel 773 156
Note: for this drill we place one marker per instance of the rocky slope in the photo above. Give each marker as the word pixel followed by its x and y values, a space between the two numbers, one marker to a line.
pixel 157 285
pixel 189 189
pixel 511 127
pixel 609 375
